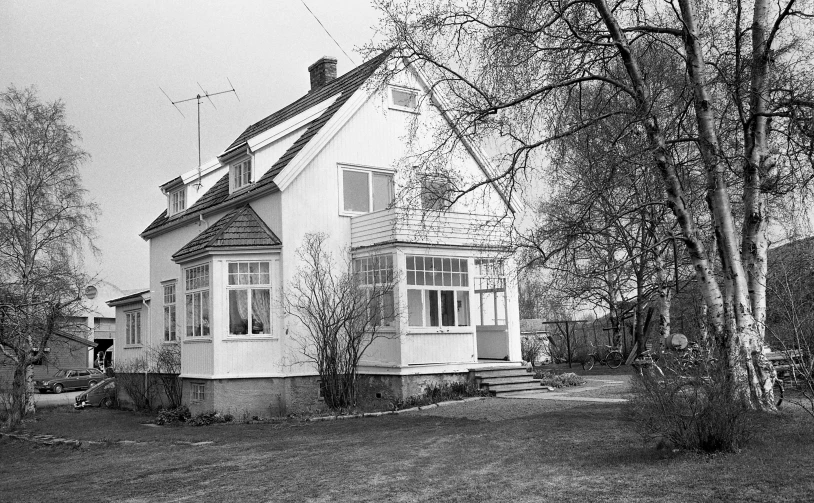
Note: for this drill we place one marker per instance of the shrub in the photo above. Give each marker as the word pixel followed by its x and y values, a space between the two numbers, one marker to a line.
pixel 173 416
pixel 549 378
pixel 207 418
pixel 697 408
pixel 532 348
pixel 441 392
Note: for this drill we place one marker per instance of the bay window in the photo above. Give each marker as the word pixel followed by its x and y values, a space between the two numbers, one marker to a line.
pixel 249 290
pixel 437 291
pixel 375 276
pixel 197 301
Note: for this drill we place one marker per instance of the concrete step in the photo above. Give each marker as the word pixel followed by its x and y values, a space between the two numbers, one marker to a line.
pixel 505 372
pixel 527 386
pixel 490 381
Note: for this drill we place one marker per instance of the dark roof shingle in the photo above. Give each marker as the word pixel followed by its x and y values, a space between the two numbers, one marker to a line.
pixel 241 227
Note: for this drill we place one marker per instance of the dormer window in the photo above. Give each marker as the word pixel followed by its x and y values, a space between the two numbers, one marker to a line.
pixel 241 174
pixel 404 99
pixel 178 200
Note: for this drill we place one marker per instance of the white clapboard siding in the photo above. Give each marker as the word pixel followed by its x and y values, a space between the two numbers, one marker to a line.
pixel 197 358
pixel 444 347
pixel 249 357
pixel 434 228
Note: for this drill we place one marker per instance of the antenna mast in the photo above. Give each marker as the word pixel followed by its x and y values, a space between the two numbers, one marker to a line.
pixel 198 98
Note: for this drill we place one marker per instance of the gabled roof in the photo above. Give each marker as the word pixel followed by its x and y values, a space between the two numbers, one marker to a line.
pixel 219 195
pixel 240 228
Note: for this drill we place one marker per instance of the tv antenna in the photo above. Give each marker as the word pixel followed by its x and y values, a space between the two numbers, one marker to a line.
pixel 198 98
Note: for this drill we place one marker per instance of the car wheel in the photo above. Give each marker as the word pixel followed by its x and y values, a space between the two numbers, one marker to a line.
pixel 58 388
pixel 91 384
pixel 107 403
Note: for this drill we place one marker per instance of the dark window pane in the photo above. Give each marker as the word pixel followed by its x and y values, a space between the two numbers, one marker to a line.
pixel 447 308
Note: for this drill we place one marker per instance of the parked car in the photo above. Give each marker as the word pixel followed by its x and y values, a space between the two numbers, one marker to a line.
pixel 70 379
pixel 101 395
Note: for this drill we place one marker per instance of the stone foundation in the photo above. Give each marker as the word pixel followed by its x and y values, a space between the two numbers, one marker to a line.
pixel 279 396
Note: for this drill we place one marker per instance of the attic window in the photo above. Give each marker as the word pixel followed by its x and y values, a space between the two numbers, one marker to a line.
pixel 241 174
pixel 178 201
pixel 404 99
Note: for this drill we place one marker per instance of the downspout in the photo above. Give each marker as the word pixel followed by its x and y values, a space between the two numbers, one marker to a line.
pixel 149 333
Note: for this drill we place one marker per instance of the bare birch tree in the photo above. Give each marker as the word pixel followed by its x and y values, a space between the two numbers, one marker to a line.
pixel 510 69
pixel 45 221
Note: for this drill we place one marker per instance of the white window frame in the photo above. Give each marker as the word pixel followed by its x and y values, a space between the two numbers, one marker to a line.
pixel 370 173
pixel 379 271
pixel 458 290
pixel 241 167
pixel 194 287
pixel 491 273
pixel 268 330
pixel 132 328
pixel 170 297
pixel 401 89
pixel 198 391
pixel 177 201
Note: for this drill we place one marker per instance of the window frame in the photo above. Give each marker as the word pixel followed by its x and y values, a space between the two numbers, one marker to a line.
pixel 249 287
pixel 132 328
pixel 370 172
pixel 177 201
pixel 192 290
pixel 236 166
pixel 170 303
pixel 485 270
pixel 369 269
pixel 198 392
pixel 459 291
pixel 403 89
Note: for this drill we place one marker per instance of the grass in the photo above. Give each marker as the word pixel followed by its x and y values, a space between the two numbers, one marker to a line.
pixel 526 450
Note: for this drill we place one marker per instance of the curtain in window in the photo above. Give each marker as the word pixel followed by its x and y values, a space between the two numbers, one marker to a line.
pixel 261 317
pixel 238 312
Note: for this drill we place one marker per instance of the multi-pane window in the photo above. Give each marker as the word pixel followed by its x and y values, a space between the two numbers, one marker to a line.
pixel 375 275
pixel 249 287
pixel 169 312
pixel 404 99
pixel 241 174
pixel 178 201
pixel 366 191
pixel 198 392
pixel 437 291
pixel 196 282
pixel 490 291
pixel 132 328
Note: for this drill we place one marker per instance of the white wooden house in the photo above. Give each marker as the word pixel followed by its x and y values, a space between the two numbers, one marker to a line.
pixel 224 249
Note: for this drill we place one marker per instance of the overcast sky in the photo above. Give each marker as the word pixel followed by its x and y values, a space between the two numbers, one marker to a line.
pixel 107 59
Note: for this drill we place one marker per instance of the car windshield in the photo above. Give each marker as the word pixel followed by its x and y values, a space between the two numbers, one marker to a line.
pixel 61 373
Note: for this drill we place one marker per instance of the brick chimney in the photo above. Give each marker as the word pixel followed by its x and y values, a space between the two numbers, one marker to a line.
pixel 322 72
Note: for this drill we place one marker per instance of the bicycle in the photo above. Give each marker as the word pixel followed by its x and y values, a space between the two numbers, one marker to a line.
pixel 613 358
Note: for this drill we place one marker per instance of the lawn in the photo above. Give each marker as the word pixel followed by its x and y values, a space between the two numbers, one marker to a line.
pixel 491 450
